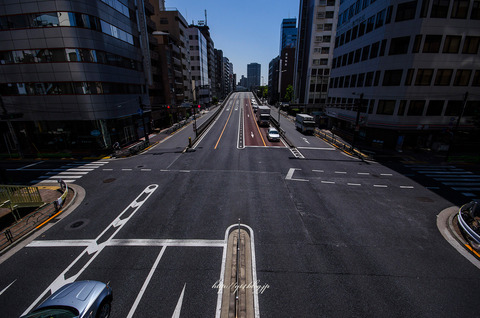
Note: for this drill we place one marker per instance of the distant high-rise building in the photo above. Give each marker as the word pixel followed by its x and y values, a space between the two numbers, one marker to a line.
pixel 199 65
pixel 253 75
pixel 288 33
pixel 314 53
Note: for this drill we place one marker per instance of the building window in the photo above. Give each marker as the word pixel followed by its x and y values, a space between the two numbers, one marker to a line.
pixel 354 32
pixel 454 108
pixel 476 79
pixel 472 108
pixel 424 77
pixel 416 108
pixel 406 11
pixel 392 77
pixel 435 108
pixel 370 24
pixel 380 19
pixel 327 38
pixel 440 8
pixel 325 50
pixel 366 51
pixel 385 107
pixel 350 57
pixel 424 10
pixel 361 28
pixel 432 43
pixel 475 10
pixel 452 44
pixel 444 77
pixel 329 14
pixel 369 79
pixel 377 78
pixel 401 108
pixel 470 46
pixel 409 77
pixel 383 47
pixel 416 43
pixel 361 79
pixel 374 50
pixel 357 55
pixel 462 77
pixel 399 45
pixel 460 9
pixel 327 27
pixel 353 81
pixel 388 17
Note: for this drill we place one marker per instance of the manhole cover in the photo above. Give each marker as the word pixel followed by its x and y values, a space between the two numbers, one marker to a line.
pixel 109 180
pixel 76 225
pixel 424 199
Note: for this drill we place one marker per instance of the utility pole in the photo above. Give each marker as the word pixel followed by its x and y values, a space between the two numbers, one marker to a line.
pixel 357 127
pixel 143 119
pixel 456 126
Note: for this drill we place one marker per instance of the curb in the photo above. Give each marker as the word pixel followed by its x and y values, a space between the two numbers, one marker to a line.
pixel 38 227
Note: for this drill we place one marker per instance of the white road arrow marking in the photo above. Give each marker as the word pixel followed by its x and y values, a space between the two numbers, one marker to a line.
pixel 176 313
pixel 97 248
pixel 290 175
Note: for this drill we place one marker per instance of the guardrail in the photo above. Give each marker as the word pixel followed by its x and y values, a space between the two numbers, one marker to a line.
pixel 130 151
pixel 340 144
pixel 33 220
pixel 469 220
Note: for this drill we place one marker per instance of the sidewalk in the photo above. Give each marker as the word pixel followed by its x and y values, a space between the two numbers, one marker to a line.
pixel 13 231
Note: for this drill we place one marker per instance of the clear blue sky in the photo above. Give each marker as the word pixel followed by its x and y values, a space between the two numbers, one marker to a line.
pixel 246 31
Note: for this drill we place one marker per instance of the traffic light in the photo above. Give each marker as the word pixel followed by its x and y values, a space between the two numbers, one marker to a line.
pixel 199 106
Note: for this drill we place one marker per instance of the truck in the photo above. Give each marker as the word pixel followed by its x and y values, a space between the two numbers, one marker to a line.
pixel 305 123
pixel 263 115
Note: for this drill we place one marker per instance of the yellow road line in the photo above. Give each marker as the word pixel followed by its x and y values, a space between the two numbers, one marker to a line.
pixel 231 111
pixel 472 250
pixel 46 221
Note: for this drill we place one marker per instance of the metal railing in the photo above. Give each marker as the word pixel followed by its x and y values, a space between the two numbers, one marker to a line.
pixel 14 197
pixel 34 220
pixel 338 142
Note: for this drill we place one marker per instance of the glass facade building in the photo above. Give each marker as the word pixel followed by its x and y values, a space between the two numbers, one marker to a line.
pixel 75 75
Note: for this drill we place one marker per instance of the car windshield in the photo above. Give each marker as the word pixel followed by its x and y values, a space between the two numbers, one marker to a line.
pixel 273 131
pixel 63 312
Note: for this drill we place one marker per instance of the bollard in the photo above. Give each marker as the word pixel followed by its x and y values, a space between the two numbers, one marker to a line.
pixel 190 142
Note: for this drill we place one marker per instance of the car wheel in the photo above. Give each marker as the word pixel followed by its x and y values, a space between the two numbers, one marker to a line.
pixel 104 311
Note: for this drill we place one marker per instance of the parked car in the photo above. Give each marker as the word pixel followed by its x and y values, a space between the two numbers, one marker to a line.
pixel 273 134
pixel 80 299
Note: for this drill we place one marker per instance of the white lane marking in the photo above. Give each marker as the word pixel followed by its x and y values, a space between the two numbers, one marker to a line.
pixel 251 134
pixel 96 248
pixel 341 172
pixel 67 172
pixel 363 173
pixel 78 169
pixel 59 177
pixel 145 284
pixel 178 308
pixel 380 186
pixel 328 182
pixel 5 289
pixel 290 173
pixel 30 165
pixel 186 171
pixel 145 169
pixel 406 187
pixel 131 242
pixel 354 184
pixel 386 174
pixel 51 180
pixel 127 169
pixel 107 169
pixel 316 148
pixel 318 171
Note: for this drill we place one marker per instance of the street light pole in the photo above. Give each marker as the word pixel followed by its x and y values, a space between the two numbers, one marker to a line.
pixel 357 119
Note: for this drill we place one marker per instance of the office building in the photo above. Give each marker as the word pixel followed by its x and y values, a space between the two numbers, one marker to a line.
pixel 408 66
pixel 288 33
pixel 75 74
pixel 253 75
pixel 314 52
pixel 199 65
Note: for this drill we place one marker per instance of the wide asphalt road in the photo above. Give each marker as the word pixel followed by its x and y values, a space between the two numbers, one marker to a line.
pixel 333 236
